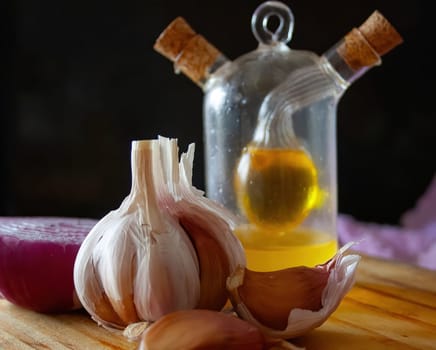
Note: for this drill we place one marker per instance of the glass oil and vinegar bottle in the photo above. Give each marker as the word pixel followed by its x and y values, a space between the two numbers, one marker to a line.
pixel 270 130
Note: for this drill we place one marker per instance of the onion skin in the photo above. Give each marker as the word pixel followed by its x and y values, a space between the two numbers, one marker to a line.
pixel 37 256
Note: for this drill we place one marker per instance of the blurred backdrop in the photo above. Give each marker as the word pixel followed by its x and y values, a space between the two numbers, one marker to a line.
pixel 82 80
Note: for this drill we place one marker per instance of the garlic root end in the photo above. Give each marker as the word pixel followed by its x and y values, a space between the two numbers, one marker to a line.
pixel 134 331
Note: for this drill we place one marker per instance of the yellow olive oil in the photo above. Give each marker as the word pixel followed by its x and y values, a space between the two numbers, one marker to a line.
pixel 276 188
pixel 267 251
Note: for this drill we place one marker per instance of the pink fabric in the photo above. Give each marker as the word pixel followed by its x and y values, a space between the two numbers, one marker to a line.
pixel 413 242
pixel 424 213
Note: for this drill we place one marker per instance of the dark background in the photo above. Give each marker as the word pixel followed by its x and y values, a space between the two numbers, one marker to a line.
pixel 81 80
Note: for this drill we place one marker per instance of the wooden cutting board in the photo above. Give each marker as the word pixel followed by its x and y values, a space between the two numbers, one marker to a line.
pixel 392 306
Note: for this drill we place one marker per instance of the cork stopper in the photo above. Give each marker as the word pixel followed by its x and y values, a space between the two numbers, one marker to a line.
pixel 191 53
pixel 174 38
pixel 381 35
pixel 364 46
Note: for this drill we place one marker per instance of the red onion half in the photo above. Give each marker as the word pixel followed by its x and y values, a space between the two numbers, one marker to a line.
pixel 37 257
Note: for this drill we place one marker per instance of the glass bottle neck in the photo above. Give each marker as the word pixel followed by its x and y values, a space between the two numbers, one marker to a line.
pixel 350 63
pixel 208 71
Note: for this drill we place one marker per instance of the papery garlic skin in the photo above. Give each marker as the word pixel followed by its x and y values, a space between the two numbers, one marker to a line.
pixel 341 278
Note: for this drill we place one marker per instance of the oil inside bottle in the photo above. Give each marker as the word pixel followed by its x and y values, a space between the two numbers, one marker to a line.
pixel 276 188
pixel 269 252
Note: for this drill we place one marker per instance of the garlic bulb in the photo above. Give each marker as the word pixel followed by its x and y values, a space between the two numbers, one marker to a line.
pixel 290 302
pixel 141 261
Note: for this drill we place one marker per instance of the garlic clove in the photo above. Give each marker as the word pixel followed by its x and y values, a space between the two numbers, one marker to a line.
pixel 206 330
pixel 98 304
pixel 167 280
pixel 288 303
pixel 208 225
pixel 214 265
pixel 299 287
pixel 167 277
pixel 118 290
pixel 183 198
pixel 92 295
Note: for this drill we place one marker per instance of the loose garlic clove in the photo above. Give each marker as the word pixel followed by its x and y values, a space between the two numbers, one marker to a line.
pixel 271 295
pixel 288 303
pixel 206 330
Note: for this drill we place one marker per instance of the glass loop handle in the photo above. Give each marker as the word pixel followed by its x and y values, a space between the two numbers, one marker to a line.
pixel 261 16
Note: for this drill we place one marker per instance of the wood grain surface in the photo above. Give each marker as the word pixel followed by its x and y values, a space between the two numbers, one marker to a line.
pixel 392 306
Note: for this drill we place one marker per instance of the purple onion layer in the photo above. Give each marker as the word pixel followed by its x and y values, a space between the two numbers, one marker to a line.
pixel 37 258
